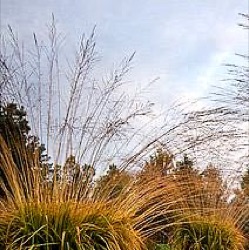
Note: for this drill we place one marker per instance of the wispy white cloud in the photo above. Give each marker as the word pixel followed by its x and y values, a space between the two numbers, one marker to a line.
pixel 184 43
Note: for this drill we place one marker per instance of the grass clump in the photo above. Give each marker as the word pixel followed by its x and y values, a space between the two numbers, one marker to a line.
pixel 208 233
pixel 68 226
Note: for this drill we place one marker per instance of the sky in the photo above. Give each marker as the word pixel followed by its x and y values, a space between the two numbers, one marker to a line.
pixel 184 43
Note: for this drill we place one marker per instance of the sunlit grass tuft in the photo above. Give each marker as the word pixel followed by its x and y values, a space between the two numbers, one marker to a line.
pixel 68 226
pixel 209 233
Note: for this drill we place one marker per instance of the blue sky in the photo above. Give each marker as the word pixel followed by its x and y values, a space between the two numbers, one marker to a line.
pixel 183 42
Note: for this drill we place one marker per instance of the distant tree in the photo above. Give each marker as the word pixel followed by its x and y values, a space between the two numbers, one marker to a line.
pixel 162 166
pixel 160 163
pixel 245 183
pixel 14 130
pixel 14 127
pixel 70 176
pixel 186 163
pixel 214 188
pixel 113 182
pixel 73 172
pixel 185 169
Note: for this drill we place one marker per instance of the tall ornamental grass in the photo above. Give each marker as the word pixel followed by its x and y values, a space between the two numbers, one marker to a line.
pixel 35 215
